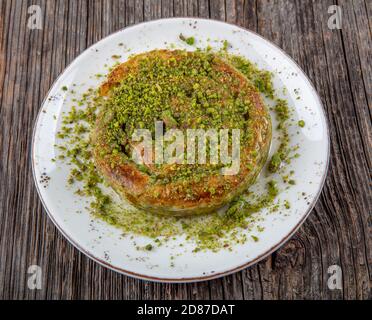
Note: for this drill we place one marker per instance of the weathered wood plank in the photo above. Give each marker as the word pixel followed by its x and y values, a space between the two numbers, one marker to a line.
pixel 316 49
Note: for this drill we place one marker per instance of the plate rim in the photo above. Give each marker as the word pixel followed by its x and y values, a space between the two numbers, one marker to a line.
pixel 184 279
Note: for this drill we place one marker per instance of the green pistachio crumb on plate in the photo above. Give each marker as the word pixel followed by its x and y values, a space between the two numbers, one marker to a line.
pixel 301 123
pixel 190 40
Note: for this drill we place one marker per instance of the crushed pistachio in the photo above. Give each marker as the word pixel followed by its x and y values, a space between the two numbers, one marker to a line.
pixel 208 232
pixel 190 40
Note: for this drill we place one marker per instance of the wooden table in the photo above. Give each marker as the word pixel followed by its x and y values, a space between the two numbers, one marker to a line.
pixel 337 232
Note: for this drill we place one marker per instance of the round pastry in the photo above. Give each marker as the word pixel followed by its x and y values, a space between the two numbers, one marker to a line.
pixel 166 93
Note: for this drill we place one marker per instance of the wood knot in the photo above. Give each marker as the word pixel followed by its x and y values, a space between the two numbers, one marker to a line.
pixel 291 254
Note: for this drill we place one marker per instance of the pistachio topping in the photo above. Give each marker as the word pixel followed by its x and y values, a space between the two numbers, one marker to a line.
pixel 135 103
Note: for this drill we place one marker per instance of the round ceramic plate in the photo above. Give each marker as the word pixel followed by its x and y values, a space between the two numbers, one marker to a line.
pixel 106 244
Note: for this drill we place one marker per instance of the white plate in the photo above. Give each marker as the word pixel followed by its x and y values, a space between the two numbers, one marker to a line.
pixel 103 243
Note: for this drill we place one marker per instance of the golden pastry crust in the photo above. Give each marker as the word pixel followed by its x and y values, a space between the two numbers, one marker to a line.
pixel 192 194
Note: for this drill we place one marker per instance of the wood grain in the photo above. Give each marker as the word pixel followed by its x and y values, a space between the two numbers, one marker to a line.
pixel 338 231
